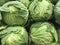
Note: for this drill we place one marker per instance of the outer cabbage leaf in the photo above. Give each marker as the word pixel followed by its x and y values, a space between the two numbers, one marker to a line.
pixel 25 2
pixel 41 10
pixel 57 12
pixel 43 33
pixel 14 36
pixel 14 13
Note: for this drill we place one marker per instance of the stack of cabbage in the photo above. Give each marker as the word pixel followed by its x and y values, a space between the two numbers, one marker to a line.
pixel 29 22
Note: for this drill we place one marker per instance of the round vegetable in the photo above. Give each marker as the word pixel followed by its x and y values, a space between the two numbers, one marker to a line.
pixel 57 12
pixel 14 13
pixel 43 33
pixel 41 10
pixel 14 36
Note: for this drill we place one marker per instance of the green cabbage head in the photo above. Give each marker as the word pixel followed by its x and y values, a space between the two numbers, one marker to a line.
pixel 25 2
pixel 14 36
pixel 14 13
pixel 40 10
pixel 43 33
pixel 57 12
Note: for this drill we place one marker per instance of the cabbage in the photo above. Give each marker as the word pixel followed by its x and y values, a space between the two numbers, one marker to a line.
pixel 14 13
pixel 25 2
pixel 43 33
pixel 16 35
pixel 41 10
pixel 57 12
